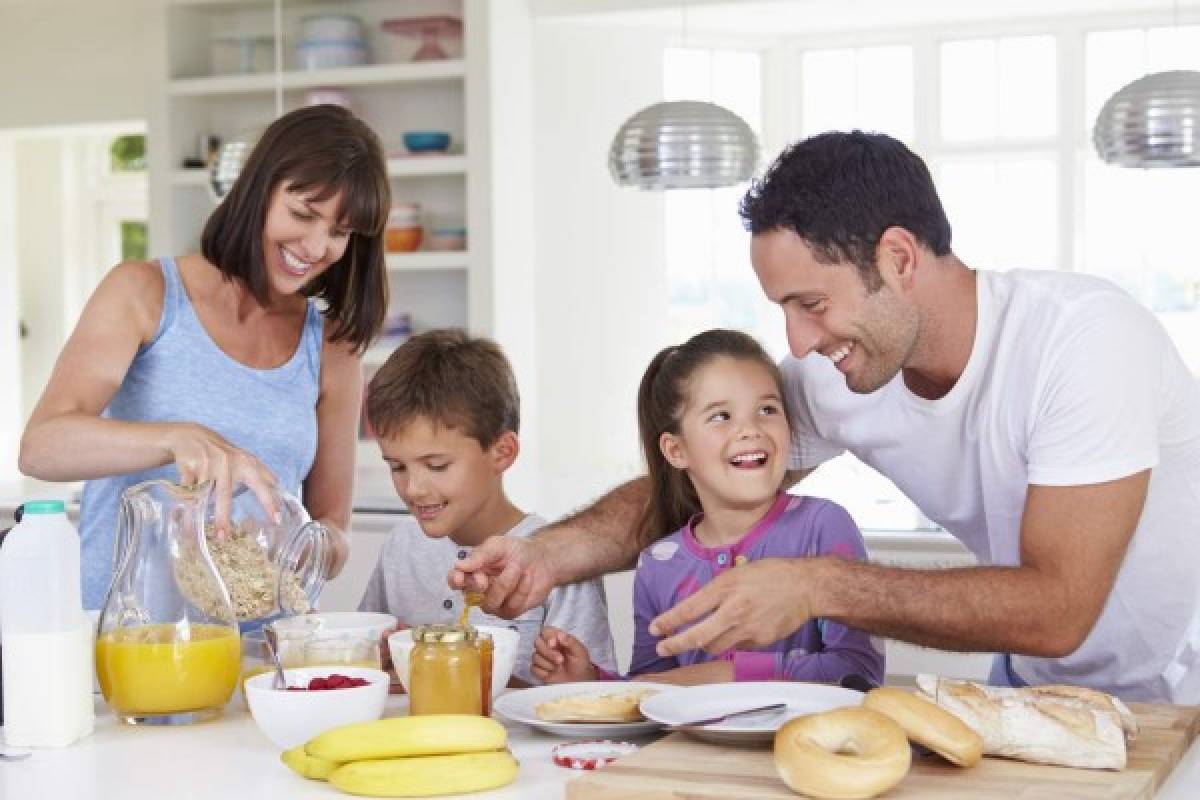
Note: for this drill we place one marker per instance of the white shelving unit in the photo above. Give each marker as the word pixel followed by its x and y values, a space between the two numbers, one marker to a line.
pixel 392 94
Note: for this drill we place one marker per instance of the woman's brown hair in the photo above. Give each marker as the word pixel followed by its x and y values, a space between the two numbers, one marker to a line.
pixel 327 149
pixel 662 397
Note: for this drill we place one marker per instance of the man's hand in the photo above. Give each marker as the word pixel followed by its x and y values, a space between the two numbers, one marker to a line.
pixel 755 605
pixel 512 574
pixel 558 657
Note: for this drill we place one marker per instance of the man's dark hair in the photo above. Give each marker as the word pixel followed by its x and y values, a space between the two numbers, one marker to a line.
pixel 840 191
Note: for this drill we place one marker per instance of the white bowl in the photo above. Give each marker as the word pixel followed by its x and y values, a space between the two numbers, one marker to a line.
pixel 504 655
pixel 332 624
pixel 332 28
pixel 292 718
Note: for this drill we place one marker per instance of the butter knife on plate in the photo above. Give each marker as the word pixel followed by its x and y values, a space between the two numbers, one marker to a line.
pixel 699 723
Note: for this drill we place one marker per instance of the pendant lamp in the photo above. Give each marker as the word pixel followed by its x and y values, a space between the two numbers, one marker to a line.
pixel 683 145
pixel 1152 122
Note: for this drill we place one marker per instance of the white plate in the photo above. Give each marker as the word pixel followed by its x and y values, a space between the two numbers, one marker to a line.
pixel 701 702
pixel 520 705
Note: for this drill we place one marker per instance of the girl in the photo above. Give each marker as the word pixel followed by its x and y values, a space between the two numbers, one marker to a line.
pixel 715 436
pixel 237 364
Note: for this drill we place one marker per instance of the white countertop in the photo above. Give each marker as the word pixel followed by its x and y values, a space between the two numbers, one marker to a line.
pixel 229 758
pixel 225 758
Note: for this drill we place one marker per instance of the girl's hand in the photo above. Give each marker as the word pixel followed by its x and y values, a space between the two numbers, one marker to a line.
pixel 202 455
pixel 558 657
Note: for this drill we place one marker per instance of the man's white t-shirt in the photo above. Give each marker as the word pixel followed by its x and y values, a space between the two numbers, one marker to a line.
pixel 1069 382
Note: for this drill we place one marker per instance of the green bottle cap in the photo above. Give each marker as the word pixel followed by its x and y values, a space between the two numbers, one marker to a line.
pixel 44 507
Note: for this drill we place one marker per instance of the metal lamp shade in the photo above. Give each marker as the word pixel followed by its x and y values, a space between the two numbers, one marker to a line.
pixel 683 145
pixel 231 157
pixel 1152 122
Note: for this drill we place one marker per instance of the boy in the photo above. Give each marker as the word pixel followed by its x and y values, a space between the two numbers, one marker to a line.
pixel 445 410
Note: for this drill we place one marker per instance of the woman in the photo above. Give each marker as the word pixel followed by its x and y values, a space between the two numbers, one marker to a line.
pixel 239 364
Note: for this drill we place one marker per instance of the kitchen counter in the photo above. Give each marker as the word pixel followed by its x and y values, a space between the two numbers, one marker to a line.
pixel 225 758
pixel 228 757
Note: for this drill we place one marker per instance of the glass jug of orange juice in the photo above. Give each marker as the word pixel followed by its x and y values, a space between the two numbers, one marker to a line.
pixel 167 651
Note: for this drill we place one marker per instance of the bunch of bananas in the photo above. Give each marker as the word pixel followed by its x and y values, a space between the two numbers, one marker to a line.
pixel 409 756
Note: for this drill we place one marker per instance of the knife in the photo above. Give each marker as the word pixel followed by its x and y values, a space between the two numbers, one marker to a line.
pixel 713 720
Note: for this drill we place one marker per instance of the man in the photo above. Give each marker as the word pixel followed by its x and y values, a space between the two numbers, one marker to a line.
pixel 1043 418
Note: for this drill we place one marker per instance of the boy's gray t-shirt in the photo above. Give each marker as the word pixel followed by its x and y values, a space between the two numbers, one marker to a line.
pixel 410 582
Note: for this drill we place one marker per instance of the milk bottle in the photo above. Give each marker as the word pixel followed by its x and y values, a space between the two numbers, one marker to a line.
pixel 46 637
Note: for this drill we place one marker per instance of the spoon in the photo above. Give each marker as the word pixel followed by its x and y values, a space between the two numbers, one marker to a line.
pixel 13 756
pixel 280 681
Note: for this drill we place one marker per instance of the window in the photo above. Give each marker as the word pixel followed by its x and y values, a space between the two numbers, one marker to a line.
pixel 870 88
pixel 128 153
pixel 1136 225
pixel 1003 116
pixel 709 277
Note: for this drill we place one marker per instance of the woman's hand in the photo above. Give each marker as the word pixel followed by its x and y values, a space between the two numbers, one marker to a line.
pixel 558 657
pixel 202 455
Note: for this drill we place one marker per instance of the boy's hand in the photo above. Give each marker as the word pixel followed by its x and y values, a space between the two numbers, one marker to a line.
pixel 558 657
pixel 385 652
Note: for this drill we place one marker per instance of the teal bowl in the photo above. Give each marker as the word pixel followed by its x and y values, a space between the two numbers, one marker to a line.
pixel 427 141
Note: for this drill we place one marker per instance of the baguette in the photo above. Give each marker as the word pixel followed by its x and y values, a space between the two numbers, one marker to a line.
pixel 1061 725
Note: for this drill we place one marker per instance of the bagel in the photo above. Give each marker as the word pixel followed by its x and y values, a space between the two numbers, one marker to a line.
pixel 929 725
pixel 844 754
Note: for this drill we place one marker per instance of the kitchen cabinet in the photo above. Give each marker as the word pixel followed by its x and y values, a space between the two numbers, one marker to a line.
pixel 194 99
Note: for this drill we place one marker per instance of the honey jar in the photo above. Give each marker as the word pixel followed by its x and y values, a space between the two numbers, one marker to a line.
pixel 445 675
pixel 487 649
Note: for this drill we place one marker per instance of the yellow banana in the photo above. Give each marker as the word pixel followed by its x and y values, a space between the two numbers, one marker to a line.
pixel 425 776
pixel 425 735
pixel 312 767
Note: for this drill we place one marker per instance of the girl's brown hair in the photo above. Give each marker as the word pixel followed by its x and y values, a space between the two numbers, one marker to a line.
pixel 327 149
pixel 662 397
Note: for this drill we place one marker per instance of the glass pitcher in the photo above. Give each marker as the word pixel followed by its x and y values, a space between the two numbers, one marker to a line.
pixel 168 650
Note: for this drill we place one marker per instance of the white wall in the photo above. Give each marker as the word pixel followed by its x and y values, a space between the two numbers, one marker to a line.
pixel 10 388
pixel 601 276
pixel 40 253
pixel 69 61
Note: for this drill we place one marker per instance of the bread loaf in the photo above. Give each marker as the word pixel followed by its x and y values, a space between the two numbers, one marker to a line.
pixel 1062 725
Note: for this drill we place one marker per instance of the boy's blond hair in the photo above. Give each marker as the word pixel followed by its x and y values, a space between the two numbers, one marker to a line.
pixel 451 379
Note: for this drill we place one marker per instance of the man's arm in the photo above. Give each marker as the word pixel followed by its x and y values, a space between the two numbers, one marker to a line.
pixel 518 574
pixel 1073 539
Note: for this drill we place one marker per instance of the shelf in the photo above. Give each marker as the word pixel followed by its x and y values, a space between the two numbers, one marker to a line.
pixel 190 177
pixel 399 167
pixel 371 74
pixel 419 166
pixel 404 262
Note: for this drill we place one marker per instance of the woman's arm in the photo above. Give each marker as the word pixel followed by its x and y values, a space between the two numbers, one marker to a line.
pixel 329 487
pixel 66 439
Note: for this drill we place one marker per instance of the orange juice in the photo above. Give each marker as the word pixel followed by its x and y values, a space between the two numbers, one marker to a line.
pixel 149 669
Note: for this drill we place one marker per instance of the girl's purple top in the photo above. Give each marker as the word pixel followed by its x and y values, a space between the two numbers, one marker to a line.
pixel 821 650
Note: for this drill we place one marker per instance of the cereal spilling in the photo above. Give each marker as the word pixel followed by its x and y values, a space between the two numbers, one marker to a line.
pixel 248 574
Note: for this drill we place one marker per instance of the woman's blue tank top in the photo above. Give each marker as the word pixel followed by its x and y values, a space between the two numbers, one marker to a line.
pixel 183 376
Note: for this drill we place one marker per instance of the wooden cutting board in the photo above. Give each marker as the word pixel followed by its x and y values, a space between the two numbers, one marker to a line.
pixel 678 767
